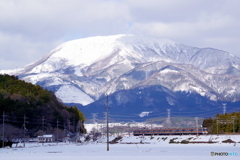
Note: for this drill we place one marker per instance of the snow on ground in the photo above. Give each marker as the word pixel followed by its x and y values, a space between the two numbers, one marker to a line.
pixel 155 149
pixel 96 126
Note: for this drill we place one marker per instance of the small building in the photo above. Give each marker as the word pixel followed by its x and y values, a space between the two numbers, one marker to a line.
pixel 46 138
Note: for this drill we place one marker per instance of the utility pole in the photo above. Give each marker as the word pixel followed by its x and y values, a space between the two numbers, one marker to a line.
pixel 217 126
pixel 73 125
pixel 42 127
pixel 69 127
pixel 3 130
pixel 105 117
pixel 226 121
pixel 233 118
pixel 43 123
pixel 24 128
pixel 196 118
pixel 57 132
pixel 129 129
pixel 107 124
pixel 151 128
pixel 78 127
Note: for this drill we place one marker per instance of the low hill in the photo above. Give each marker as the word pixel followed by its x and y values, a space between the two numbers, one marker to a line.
pixel 23 103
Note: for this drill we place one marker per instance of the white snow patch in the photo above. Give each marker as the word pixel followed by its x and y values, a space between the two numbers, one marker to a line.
pixel 52 79
pixel 78 71
pixel 169 71
pixel 71 94
pixel 143 114
pixel 170 101
pixel 198 90
pixel 36 78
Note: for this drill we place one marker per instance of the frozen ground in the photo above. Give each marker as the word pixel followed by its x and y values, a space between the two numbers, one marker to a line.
pixel 154 149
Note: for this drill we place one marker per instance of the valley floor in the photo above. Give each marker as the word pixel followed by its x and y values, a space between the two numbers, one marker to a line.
pixel 130 148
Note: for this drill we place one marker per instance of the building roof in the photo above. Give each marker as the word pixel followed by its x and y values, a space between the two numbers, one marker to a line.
pixel 46 136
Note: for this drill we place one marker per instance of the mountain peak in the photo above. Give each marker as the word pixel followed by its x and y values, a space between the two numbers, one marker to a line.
pixel 87 51
pixel 93 66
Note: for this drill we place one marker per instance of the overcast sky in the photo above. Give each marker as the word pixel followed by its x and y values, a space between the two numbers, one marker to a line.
pixel 29 29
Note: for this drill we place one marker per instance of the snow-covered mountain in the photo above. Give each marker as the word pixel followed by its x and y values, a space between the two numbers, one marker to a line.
pixel 83 70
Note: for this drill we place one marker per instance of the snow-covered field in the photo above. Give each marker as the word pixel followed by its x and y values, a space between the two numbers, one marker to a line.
pixel 156 148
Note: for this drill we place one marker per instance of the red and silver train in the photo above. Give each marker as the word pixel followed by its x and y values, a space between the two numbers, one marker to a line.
pixel 171 131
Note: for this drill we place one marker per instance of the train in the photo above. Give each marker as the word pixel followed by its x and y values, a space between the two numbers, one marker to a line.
pixel 171 131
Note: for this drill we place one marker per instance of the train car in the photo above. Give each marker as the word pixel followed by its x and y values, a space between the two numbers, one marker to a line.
pixel 171 131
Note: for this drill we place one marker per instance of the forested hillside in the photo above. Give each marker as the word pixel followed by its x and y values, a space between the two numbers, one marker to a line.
pixel 23 103
pixel 223 123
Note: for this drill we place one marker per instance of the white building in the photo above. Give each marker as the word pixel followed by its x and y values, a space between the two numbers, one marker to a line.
pixel 46 138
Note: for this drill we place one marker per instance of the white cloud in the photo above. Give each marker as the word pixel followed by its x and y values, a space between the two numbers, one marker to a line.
pixel 211 25
pixel 216 31
pixel 16 51
pixel 32 28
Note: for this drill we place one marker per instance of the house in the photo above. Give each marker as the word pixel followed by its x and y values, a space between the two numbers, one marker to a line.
pixel 46 138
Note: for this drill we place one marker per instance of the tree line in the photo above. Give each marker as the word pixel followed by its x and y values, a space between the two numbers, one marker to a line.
pixel 223 123
pixel 19 98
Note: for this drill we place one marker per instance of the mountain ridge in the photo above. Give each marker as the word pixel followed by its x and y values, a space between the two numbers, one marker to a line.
pixel 84 70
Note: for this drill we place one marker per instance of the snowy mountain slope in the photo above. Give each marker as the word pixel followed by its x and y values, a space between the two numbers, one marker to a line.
pixel 83 70
pixel 179 77
pixel 85 52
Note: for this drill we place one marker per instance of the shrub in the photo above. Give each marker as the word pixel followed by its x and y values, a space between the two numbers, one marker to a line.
pixel 184 142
